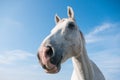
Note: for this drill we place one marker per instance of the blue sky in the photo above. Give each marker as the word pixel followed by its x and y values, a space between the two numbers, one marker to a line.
pixel 25 23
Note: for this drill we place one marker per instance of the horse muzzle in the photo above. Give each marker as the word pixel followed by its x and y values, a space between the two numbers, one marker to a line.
pixel 49 60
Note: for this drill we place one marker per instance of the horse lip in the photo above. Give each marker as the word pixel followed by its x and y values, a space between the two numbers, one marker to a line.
pixel 53 70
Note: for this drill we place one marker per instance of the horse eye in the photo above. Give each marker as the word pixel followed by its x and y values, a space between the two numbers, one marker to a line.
pixel 71 25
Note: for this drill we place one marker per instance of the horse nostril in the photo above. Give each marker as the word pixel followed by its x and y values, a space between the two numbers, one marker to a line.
pixel 49 52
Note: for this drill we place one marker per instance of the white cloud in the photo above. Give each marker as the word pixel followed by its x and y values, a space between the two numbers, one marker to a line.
pixel 19 65
pixel 103 27
pixel 9 57
pixel 93 36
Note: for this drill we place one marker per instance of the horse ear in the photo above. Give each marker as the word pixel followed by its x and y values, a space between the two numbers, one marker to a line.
pixel 70 12
pixel 57 18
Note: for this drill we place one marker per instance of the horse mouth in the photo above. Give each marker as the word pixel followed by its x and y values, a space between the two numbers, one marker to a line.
pixel 52 70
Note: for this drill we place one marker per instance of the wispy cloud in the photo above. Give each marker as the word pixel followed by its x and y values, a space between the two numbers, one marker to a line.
pixel 103 27
pixel 9 57
pixel 19 65
pixel 93 36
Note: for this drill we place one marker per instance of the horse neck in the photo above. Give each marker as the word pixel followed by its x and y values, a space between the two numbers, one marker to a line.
pixel 82 67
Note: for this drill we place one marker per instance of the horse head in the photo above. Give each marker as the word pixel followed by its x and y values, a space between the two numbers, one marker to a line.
pixel 64 41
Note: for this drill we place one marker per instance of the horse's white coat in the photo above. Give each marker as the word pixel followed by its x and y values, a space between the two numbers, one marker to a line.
pixel 85 69
pixel 73 45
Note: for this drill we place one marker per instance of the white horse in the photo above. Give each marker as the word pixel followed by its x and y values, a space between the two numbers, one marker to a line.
pixel 67 41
